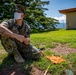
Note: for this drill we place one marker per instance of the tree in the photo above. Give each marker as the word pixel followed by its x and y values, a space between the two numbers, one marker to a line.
pixel 34 10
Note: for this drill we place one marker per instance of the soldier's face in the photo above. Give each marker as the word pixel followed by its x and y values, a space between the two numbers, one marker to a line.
pixel 18 16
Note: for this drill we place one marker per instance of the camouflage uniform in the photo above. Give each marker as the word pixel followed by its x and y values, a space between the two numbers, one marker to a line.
pixel 12 45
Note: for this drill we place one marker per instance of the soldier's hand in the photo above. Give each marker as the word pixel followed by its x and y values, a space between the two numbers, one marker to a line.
pixel 27 41
pixel 20 38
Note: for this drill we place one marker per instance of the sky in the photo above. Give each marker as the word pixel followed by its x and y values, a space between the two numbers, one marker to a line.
pixel 56 5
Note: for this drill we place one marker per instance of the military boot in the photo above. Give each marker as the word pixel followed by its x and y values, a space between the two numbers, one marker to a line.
pixel 17 56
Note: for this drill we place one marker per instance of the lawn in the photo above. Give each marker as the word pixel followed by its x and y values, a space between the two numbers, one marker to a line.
pixel 47 40
pixel 60 36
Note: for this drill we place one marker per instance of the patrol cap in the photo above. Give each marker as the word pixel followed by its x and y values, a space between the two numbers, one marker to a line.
pixel 20 8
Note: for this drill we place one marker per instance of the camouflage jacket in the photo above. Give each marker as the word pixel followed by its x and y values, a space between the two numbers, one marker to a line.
pixel 24 29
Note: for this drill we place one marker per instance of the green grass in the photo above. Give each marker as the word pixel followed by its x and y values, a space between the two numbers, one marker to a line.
pixel 48 40
pixel 60 36
pixel 55 69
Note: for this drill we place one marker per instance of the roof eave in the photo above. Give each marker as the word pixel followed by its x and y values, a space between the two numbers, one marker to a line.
pixel 67 10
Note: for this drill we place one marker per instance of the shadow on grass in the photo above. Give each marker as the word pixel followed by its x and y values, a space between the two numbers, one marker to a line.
pixel 10 67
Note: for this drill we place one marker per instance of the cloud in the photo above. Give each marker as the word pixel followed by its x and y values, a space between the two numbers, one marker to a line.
pixel 61 19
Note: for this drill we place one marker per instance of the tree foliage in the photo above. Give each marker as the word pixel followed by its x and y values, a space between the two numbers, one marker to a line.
pixel 35 15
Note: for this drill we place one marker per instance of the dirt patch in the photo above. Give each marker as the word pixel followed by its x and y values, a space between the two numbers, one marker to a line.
pixel 63 49
pixel 36 71
pixel 15 70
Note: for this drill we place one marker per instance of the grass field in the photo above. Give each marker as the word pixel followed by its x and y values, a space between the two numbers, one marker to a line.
pixel 60 36
pixel 47 40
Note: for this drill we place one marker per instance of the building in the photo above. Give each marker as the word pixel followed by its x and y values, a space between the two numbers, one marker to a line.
pixel 70 17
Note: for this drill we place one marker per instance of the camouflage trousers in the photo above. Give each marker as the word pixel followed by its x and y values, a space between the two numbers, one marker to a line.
pixel 13 46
